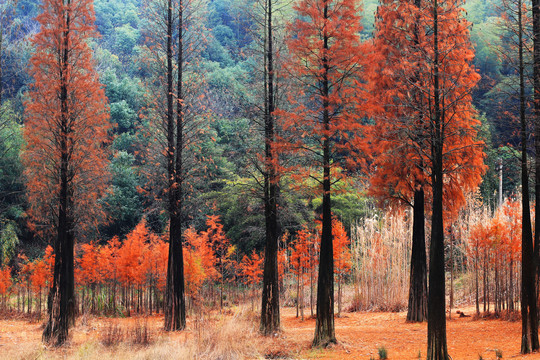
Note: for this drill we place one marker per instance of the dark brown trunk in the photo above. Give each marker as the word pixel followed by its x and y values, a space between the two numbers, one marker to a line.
pixel 536 86
pixel 529 316
pixel 511 287
pixel 437 348
pixel 175 309
pixel 476 265
pixel 61 302
pixel 270 321
pixel 324 329
pixel 417 310
pixel 1 82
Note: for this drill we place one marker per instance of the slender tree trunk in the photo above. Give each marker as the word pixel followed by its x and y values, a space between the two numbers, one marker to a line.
pixel 437 348
pixel 476 281
pixel 61 302
pixel 451 273
pixel 529 316
pixel 1 83
pixel 270 321
pixel 511 286
pixel 175 309
pixel 302 287
pixel 311 270
pixel 324 329
pixel 536 97
pixel 298 292
pixel 417 310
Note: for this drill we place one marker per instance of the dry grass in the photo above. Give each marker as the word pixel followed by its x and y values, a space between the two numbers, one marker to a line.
pixel 381 255
pixel 209 336
pixel 234 336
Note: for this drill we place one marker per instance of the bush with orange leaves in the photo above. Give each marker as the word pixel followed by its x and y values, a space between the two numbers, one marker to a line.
pixel 5 285
pixel 494 249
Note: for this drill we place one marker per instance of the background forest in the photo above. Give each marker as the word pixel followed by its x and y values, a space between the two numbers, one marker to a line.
pixel 229 61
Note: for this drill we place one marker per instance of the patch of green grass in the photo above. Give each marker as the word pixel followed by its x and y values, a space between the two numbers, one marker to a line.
pixel 383 353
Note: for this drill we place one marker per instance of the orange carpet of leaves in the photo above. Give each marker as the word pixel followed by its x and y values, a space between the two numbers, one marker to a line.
pixel 359 335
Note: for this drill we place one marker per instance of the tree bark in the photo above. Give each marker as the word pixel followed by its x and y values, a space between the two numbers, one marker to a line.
pixel 61 301
pixel 529 316
pixel 270 321
pixel 417 310
pixel 1 81
pixel 437 348
pixel 175 310
pixel 324 329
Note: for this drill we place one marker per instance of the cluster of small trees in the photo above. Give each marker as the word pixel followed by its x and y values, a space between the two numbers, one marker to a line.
pixel 129 275
pixel 494 253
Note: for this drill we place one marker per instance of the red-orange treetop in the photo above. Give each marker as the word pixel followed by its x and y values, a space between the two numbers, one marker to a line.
pixel 76 130
pixel 401 78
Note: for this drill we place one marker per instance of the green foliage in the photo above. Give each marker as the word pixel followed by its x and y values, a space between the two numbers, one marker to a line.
pixel 126 37
pixel 9 240
pixel 348 204
pixel 123 116
pixel 123 202
pixel 511 167
pixel 11 185
pixel 383 353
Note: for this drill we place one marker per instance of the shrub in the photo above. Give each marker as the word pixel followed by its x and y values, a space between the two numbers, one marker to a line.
pixel 383 353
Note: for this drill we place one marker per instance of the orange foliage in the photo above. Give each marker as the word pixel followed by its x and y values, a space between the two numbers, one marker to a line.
pixel 221 246
pixel 66 120
pixel 88 271
pixel 251 268
pixel 329 102
pixel 342 253
pixel 498 240
pixel 131 269
pixel 401 77
pixel 5 280
pixel 303 257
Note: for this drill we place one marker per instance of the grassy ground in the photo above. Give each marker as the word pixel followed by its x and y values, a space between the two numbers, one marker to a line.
pixel 233 335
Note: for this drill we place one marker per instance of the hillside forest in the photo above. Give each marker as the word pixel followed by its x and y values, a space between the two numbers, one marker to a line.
pixel 295 159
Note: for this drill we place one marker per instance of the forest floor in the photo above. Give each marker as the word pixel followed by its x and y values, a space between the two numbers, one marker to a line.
pixel 233 335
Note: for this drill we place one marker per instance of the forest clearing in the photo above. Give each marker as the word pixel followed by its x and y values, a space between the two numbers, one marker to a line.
pixel 235 336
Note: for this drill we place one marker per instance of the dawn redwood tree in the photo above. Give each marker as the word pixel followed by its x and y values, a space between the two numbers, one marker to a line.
pixel 66 129
pixel 401 136
pixel 531 263
pixel 517 22
pixel 270 321
pixel 326 55
pixel 175 40
pixel 529 249
pixel 427 134
pixel 452 126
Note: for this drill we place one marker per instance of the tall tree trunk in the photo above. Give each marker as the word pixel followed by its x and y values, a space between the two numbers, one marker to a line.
pixel 529 316
pixel 437 348
pixel 61 301
pixel 451 273
pixel 536 97
pixel 270 321
pixel 324 329
pixel 175 310
pixel 1 82
pixel 511 286
pixel 476 280
pixel 417 310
